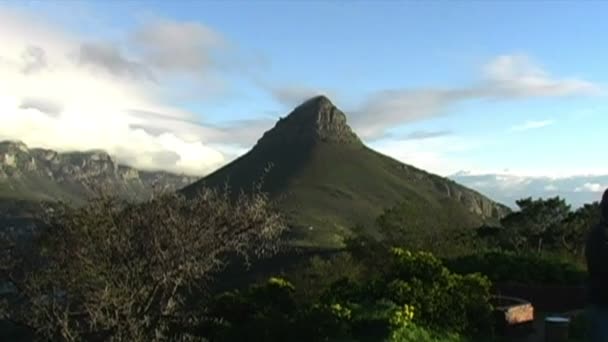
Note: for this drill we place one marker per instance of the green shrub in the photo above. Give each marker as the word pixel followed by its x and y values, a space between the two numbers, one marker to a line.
pixel 322 323
pixel 510 267
pixel 442 299
pixel 414 296
pixel 269 312
pixel 260 313
pixel 415 333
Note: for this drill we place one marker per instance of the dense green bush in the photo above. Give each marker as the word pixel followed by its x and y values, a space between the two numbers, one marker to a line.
pixel 269 312
pixel 511 267
pixel 412 299
pixel 415 333
pixel 262 312
pixel 442 299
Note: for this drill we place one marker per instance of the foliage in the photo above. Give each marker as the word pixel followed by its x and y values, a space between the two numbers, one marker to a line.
pixel 402 316
pixel 524 268
pixel 415 333
pixel 268 312
pixel 573 231
pixel 543 225
pixel 318 273
pixel 442 299
pixel 535 223
pixel 414 296
pixel 262 312
pixel 122 271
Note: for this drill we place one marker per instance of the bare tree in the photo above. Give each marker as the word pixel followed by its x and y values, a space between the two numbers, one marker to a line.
pixel 115 271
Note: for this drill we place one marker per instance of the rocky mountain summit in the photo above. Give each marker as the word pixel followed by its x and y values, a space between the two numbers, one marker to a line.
pixel 42 174
pixel 316 120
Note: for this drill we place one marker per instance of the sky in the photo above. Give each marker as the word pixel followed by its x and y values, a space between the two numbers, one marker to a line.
pixel 511 90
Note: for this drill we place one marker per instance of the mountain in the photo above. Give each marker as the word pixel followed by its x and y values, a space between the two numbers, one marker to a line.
pixel 35 174
pixel 327 181
pixel 576 190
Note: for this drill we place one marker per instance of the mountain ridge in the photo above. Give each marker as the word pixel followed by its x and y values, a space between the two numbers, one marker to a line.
pixel 47 175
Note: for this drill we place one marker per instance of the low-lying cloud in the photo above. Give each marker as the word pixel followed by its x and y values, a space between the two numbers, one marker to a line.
pixel 507 188
pixel 591 187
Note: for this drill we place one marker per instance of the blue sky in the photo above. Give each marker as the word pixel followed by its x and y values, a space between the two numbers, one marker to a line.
pixel 486 87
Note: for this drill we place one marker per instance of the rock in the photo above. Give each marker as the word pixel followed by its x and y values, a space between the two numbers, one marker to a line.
pixel 42 173
pixel 314 120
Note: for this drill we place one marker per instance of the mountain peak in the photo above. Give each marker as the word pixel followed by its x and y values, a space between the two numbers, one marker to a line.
pixel 315 120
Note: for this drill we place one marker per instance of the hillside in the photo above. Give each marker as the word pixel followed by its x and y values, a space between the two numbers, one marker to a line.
pixel 44 175
pixel 327 181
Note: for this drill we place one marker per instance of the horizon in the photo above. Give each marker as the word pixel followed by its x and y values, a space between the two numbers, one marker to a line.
pixel 458 90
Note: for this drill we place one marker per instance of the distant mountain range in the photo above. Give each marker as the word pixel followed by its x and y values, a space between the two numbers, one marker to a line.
pixel 327 181
pixel 577 190
pixel 35 174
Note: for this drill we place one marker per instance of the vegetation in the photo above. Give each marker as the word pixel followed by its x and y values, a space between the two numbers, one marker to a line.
pixel 112 270
pixel 545 225
pixel 413 299
pixel 512 267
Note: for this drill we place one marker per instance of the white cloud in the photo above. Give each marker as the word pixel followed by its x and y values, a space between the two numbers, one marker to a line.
pixel 519 76
pixel 591 187
pixel 50 99
pixel 508 188
pixel 443 155
pixel 507 77
pixel 528 125
pixel 421 135
pixel 551 188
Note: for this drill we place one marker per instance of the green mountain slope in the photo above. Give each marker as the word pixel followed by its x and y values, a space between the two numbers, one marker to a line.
pixel 327 181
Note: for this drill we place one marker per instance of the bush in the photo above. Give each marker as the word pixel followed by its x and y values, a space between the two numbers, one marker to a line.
pixel 414 296
pixel 260 313
pixel 443 300
pixel 268 312
pixel 415 333
pixel 511 267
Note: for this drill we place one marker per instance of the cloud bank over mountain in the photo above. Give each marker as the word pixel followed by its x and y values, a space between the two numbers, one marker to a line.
pixel 506 189
pixel 64 92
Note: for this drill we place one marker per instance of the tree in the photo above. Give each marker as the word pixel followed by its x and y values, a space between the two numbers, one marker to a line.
pixel 576 226
pixel 535 222
pixel 113 270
